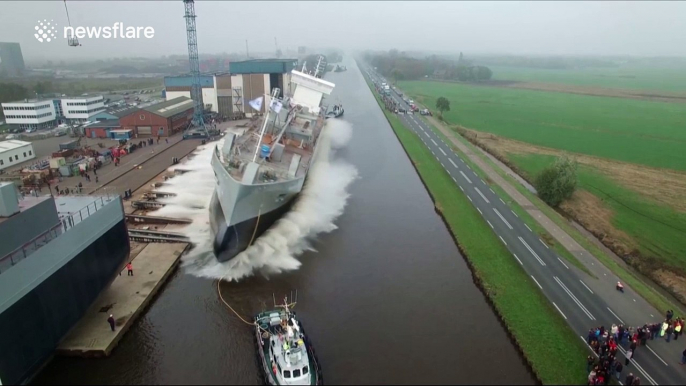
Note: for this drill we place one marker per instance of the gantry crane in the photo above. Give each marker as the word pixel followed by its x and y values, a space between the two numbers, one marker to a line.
pixel 196 89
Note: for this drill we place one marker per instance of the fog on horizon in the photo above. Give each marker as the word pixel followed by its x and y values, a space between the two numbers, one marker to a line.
pixel 534 28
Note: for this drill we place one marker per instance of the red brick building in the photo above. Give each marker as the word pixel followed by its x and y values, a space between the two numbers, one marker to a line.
pixel 102 129
pixel 162 119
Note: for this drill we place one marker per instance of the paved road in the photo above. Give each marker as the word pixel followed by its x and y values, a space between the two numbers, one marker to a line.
pixel 563 284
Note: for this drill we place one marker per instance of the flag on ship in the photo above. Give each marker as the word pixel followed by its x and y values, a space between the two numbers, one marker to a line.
pixel 276 106
pixel 256 103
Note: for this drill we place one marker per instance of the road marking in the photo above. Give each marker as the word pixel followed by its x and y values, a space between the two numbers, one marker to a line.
pixel 482 196
pixel 589 290
pixel 442 152
pixel 503 240
pixel 491 190
pixel 470 199
pixel 451 161
pixel 645 375
pixel 442 165
pixel 571 295
pixel 434 142
pixel 426 134
pixel 558 308
pixel 520 262
pixel 489 223
pixel 448 172
pixel 563 263
pixel 501 200
pixel 502 218
pixel 513 212
pixel 658 357
pixel 482 213
pixel 527 227
pixel 620 319
pixel 544 244
pixel 456 182
pixel 465 176
pixel 539 286
pixel 468 167
pixel 432 152
pixel 420 128
pixel 531 251
pixel 462 189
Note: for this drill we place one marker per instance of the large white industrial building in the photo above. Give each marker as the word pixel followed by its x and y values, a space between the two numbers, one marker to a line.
pixel 14 152
pixel 30 114
pixel 48 113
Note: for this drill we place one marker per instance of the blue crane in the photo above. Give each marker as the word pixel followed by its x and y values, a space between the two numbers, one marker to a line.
pixel 196 89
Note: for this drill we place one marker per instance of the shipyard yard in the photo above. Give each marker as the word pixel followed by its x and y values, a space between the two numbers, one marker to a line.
pixel 366 282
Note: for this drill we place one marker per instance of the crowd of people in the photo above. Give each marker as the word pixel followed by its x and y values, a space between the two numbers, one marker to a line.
pixel 605 342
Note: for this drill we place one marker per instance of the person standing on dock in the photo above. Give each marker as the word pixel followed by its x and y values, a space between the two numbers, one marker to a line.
pixel 129 268
pixel 110 320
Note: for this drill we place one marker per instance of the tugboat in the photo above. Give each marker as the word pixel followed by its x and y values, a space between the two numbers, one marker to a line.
pixel 337 112
pixel 284 349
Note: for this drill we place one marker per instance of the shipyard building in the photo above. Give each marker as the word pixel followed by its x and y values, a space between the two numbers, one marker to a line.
pixel 228 93
pixel 39 114
pixel 14 152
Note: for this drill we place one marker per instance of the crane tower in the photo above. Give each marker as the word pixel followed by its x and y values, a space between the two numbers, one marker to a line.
pixel 196 88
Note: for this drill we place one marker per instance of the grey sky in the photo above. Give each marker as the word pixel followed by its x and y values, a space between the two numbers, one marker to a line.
pixel 596 28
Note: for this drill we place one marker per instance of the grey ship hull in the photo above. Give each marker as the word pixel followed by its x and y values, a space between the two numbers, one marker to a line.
pixel 240 213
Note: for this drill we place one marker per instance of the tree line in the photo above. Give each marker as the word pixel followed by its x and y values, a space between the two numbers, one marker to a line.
pixel 400 66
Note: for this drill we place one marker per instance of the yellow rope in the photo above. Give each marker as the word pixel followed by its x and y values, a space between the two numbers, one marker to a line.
pixel 219 291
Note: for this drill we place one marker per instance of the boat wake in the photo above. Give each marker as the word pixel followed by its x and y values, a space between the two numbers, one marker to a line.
pixel 319 204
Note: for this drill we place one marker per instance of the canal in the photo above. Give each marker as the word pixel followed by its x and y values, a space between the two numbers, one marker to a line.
pixel 386 298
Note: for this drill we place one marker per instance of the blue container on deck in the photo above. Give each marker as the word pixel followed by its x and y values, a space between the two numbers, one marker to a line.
pixel 265 151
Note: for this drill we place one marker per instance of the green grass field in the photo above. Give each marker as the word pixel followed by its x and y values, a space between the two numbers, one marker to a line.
pixel 658 230
pixel 539 330
pixel 670 80
pixel 642 132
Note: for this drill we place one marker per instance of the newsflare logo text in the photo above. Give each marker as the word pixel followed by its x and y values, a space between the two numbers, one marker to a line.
pixel 46 31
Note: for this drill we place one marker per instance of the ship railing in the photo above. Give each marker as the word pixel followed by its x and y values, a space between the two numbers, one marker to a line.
pixel 70 219
pixel 19 254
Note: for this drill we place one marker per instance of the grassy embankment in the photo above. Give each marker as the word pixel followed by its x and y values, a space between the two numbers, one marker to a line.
pixel 611 128
pixel 670 80
pixel 550 346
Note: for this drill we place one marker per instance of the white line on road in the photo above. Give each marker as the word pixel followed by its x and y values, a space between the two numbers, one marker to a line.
pixel 574 299
pixel 449 172
pixel 426 134
pixel 589 290
pixel 658 357
pixel 434 142
pixel 451 161
pixel 589 346
pixel 461 188
pixel 645 374
pixel 482 213
pixel 465 176
pixel 539 286
pixel 531 251
pixel 558 308
pixel 491 190
pixel 501 200
pixel 620 319
pixel 520 262
pixel 468 167
pixel 456 182
pixel 470 199
pixel 442 165
pixel 544 244
pixel 527 227
pixel 442 152
pixel 563 263
pixel 503 240
pixel 482 196
pixel 489 223
pixel 502 218
pixel 513 212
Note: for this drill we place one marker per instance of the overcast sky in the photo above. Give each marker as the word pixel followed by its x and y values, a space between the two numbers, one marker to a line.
pixel 567 28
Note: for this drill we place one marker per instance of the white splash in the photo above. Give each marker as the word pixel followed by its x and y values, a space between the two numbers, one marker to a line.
pixel 319 204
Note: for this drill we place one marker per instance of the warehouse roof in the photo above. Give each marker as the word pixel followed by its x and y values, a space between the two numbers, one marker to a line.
pixel 12 144
pixel 171 107
pixel 107 123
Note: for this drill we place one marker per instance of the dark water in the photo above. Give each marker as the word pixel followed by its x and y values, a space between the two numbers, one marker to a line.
pixel 386 299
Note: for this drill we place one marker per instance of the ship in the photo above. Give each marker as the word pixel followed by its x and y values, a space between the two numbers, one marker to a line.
pixel 58 254
pixel 260 171
pixel 284 350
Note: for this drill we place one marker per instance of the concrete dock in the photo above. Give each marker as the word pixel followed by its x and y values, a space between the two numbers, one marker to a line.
pixel 125 299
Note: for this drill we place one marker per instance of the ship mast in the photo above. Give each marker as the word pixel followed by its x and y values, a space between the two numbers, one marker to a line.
pixel 275 92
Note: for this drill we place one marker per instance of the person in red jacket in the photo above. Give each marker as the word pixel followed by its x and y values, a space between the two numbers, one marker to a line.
pixel 129 268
